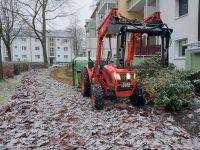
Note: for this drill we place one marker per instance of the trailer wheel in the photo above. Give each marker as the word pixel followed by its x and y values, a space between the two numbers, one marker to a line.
pixel 85 83
pixel 137 98
pixel 97 96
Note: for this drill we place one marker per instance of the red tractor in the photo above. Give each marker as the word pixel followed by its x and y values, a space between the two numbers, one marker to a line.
pixel 102 78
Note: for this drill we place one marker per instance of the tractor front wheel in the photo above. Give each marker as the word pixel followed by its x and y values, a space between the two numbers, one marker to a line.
pixel 97 96
pixel 85 83
pixel 137 98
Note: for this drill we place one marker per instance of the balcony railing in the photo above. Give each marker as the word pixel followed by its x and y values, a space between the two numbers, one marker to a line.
pixel 102 5
pixel 148 50
pixel 132 3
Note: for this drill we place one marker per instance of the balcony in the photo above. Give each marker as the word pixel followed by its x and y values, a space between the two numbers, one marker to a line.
pixel 148 50
pixel 106 5
pixel 140 5
pixel 90 24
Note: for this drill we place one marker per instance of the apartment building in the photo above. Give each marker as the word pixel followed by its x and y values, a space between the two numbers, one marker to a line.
pixel 27 47
pixel 102 9
pixel 184 19
pixel 182 16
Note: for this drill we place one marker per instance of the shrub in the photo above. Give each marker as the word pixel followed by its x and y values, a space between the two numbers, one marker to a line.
pixel 17 69
pixel 195 80
pixel 8 70
pixel 177 94
pixel 150 68
pixel 20 67
pixel 38 66
pixel 169 89
pixel 24 66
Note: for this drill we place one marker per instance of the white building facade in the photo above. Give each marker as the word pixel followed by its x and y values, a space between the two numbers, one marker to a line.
pixel 102 9
pixel 28 48
pixel 182 17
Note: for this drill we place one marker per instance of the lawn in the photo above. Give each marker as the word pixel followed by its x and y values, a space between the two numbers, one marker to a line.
pixel 7 88
pixel 63 75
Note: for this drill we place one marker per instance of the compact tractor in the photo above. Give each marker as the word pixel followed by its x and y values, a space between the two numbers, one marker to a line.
pixel 103 78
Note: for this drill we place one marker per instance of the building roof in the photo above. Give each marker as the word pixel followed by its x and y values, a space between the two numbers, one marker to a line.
pixel 59 34
pixel 50 33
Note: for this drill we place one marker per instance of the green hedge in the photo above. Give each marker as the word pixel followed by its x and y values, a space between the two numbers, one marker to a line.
pixel 167 87
pixel 38 66
pixel 195 80
pixel 170 89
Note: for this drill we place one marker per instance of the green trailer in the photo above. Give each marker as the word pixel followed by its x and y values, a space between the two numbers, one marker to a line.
pixel 77 65
pixel 79 62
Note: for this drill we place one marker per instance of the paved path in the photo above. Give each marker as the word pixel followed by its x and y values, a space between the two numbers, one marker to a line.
pixel 46 114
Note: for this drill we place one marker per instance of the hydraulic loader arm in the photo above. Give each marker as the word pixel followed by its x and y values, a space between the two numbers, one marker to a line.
pixel 102 32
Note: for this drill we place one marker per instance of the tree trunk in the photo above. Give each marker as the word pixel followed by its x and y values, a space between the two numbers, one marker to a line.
pixel 1 65
pixel 44 38
pixel 199 23
pixel 9 52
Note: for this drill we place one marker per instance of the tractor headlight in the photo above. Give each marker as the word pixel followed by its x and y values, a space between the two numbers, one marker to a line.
pixel 117 76
pixel 134 76
pixel 128 76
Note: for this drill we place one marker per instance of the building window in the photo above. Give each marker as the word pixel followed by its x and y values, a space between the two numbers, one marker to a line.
pixel 52 52
pixel 66 56
pixel 92 33
pixel 24 56
pixel 183 7
pixel 37 48
pixel 6 53
pixel 51 39
pixel 23 39
pixel 65 40
pixel 58 39
pixel 15 46
pixel 51 44
pixel 65 48
pixel 182 47
pixel 37 56
pixel 36 40
pixel 58 47
pixel 16 55
pixel 58 55
pixel 24 48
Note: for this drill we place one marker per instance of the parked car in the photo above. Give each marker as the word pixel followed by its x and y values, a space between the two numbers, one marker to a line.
pixel 59 65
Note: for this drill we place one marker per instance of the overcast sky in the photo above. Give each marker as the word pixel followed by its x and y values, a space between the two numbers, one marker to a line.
pixel 83 10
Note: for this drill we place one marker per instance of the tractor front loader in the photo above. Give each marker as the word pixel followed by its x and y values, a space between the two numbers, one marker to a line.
pixel 102 77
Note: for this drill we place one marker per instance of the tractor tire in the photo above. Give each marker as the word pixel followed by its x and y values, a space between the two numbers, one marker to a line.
pixel 97 96
pixel 137 98
pixel 85 83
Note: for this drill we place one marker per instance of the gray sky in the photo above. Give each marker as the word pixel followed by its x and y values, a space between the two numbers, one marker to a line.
pixel 83 10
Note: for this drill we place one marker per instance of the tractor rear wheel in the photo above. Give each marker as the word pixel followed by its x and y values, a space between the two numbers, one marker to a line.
pixel 97 96
pixel 85 83
pixel 137 98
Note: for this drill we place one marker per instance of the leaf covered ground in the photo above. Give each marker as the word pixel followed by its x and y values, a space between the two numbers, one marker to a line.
pixel 47 114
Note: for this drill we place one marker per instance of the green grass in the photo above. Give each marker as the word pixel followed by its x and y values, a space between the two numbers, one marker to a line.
pixel 7 90
pixel 62 75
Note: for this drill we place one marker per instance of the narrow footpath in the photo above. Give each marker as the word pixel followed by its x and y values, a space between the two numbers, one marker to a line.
pixel 46 114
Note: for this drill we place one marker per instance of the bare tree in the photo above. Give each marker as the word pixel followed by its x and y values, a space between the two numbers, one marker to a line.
pixel 36 13
pixel 78 35
pixel 1 64
pixel 10 25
